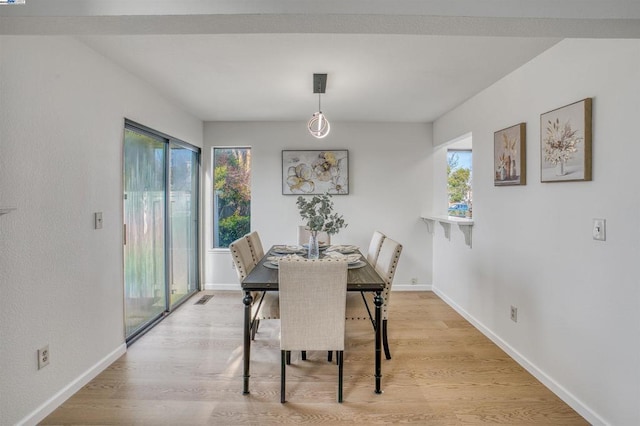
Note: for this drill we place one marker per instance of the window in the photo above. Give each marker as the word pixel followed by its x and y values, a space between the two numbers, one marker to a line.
pixel 231 194
pixel 459 178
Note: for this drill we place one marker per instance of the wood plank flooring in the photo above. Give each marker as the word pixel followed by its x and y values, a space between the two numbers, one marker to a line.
pixel 188 371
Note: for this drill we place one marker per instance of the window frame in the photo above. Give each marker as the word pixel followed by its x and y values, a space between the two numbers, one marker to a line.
pixel 214 245
pixel 469 201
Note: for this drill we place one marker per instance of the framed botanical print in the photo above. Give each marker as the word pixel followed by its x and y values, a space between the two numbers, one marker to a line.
pixel 309 172
pixel 565 143
pixel 509 156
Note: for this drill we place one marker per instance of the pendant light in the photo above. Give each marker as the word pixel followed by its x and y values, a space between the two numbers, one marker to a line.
pixel 319 126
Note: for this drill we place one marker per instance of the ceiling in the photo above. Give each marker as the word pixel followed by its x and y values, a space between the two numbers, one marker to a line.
pixel 268 77
pixel 401 61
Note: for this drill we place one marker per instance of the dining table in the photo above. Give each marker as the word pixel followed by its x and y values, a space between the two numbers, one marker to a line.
pixel 361 277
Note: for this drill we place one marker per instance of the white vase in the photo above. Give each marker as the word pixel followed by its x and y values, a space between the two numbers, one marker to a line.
pixel 560 169
pixel 314 249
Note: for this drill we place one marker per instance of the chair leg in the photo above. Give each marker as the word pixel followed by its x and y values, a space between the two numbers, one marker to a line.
pixel 304 355
pixel 283 368
pixel 340 357
pixel 330 356
pixel 254 329
pixel 385 340
pixel 288 357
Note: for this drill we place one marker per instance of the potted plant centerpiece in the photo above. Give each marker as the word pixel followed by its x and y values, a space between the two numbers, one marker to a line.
pixel 319 217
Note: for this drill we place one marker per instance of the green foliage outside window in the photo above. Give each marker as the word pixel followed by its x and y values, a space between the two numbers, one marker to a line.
pixel 233 227
pixel 458 180
pixel 232 194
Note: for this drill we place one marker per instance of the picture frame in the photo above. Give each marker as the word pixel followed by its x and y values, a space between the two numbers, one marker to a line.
pixel 509 156
pixel 565 143
pixel 312 172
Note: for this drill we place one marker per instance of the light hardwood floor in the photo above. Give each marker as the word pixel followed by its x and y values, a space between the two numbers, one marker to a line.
pixel 188 371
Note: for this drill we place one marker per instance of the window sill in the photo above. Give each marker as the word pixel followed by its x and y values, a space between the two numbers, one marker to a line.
pixel 218 250
pixel 464 224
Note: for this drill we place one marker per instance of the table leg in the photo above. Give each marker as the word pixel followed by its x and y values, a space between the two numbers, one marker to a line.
pixel 247 300
pixel 377 300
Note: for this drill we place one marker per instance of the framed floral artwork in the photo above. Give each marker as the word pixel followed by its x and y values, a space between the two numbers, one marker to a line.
pixel 315 172
pixel 509 156
pixel 565 143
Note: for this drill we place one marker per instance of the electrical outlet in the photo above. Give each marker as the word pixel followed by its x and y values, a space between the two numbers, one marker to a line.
pixel 43 357
pixel 514 314
pixel 233 265
pixel 414 281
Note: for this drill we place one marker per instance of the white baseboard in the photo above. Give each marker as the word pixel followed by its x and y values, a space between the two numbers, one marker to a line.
pixel 56 400
pixel 218 286
pixel 551 384
pixel 396 287
pixel 411 287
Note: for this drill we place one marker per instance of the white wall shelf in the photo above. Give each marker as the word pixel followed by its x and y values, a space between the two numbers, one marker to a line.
pixel 6 210
pixel 465 225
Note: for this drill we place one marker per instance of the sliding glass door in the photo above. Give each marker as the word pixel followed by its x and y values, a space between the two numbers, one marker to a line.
pixel 160 226
pixel 144 222
pixel 183 214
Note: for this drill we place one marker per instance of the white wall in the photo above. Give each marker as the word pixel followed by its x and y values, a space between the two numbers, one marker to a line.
pixel 578 299
pixel 389 181
pixel 62 115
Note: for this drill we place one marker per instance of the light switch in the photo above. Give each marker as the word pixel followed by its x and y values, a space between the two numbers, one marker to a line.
pixel 98 220
pixel 599 229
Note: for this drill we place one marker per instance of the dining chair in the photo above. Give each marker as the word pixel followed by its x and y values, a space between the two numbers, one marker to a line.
pixel 304 233
pixel 359 307
pixel 312 310
pixel 256 246
pixel 242 257
pixel 374 247
pixel 265 305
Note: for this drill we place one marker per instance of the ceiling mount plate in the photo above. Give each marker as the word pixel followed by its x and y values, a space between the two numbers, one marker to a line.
pixel 319 83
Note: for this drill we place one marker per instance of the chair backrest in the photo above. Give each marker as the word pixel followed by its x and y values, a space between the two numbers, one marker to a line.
pixel 386 268
pixel 256 246
pixel 313 297
pixel 242 257
pixel 304 234
pixel 374 247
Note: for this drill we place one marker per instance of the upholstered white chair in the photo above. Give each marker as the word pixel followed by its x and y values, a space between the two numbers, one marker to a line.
pixel 358 308
pixel 304 234
pixel 265 304
pixel 374 247
pixel 385 265
pixel 312 310
pixel 242 257
pixel 256 246
pixel 357 305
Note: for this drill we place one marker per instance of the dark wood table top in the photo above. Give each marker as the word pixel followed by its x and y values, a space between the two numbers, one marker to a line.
pixel 262 278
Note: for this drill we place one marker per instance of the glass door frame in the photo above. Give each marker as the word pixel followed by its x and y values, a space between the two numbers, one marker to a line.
pixel 169 142
pixel 169 230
